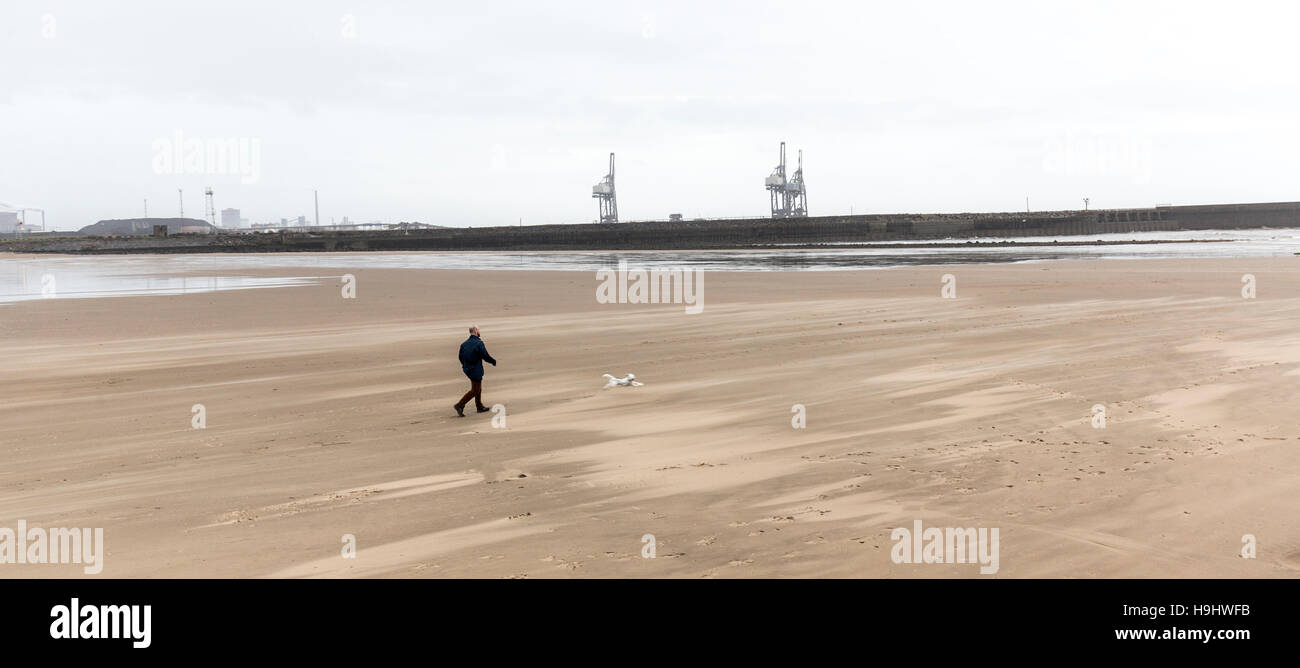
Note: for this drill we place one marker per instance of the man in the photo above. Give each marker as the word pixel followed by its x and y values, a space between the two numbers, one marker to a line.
pixel 472 354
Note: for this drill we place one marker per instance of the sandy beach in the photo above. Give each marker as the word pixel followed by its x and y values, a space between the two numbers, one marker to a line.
pixel 328 417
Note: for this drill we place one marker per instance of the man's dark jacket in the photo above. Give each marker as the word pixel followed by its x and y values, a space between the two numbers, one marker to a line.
pixel 472 354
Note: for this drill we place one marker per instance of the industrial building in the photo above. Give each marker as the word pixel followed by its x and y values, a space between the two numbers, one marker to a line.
pixel 230 218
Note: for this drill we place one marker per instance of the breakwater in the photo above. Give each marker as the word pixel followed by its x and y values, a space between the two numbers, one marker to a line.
pixel 698 234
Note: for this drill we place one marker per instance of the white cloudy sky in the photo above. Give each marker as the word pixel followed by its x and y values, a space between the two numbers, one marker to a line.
pixel 472 113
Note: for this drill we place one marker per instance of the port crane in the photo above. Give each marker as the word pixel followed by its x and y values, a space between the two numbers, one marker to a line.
pixel 604 191
pixel 788 196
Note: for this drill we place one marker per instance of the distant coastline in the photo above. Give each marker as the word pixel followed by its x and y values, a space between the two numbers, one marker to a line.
pixel 962 230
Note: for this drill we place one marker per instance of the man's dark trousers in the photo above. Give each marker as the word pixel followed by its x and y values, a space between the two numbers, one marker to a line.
pixel 475 393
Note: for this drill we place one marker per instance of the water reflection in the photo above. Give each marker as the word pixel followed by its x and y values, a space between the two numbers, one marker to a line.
pixel 27 278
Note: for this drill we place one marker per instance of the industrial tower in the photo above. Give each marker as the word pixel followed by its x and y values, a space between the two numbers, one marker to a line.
pixel 604 191
pixel 211 207
pixel 789 197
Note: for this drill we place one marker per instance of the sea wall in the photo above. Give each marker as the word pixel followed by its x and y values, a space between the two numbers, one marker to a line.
pixel 701 234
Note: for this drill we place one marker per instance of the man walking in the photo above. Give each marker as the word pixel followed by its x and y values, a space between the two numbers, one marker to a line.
pixel 472 354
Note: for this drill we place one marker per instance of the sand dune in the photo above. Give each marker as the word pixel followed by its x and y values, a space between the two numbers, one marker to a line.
pixel 328 417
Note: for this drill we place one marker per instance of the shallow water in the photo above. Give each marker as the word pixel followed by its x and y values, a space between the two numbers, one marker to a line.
pixel 23 277
pixel 34 277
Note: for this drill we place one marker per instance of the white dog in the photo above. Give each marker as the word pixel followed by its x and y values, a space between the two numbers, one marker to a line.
pixel 629 381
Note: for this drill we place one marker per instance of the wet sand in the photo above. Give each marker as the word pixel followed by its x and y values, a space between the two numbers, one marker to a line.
pixel 328 416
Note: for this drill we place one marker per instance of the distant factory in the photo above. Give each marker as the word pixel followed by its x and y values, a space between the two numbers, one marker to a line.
pixel 18 220
pixel 230 219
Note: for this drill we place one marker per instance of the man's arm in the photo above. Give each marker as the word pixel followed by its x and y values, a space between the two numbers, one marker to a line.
pixel 482 349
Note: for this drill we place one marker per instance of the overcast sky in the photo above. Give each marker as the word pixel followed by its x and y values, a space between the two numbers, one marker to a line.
pixel 472 113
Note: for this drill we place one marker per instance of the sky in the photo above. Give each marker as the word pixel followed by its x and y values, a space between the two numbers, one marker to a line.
pixel 476 114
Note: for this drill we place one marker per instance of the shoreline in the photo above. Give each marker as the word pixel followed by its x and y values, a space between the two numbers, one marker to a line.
pixel 738 249
pixel 697 232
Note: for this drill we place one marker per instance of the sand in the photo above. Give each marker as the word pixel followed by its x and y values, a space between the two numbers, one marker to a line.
pixel 328 417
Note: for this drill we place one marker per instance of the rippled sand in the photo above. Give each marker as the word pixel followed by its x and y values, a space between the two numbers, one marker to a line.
pixel 328 417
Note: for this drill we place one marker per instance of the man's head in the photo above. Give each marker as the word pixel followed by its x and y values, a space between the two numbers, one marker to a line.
pixel 473 331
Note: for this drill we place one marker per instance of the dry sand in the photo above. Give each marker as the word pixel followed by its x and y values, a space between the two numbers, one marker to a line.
pixel 328 417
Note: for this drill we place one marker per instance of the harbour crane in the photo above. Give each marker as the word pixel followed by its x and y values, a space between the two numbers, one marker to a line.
pixel 788 196
pixel 604 191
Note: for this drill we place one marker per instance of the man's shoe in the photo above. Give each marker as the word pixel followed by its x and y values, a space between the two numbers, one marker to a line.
pixel 460 410
pixel 483 409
